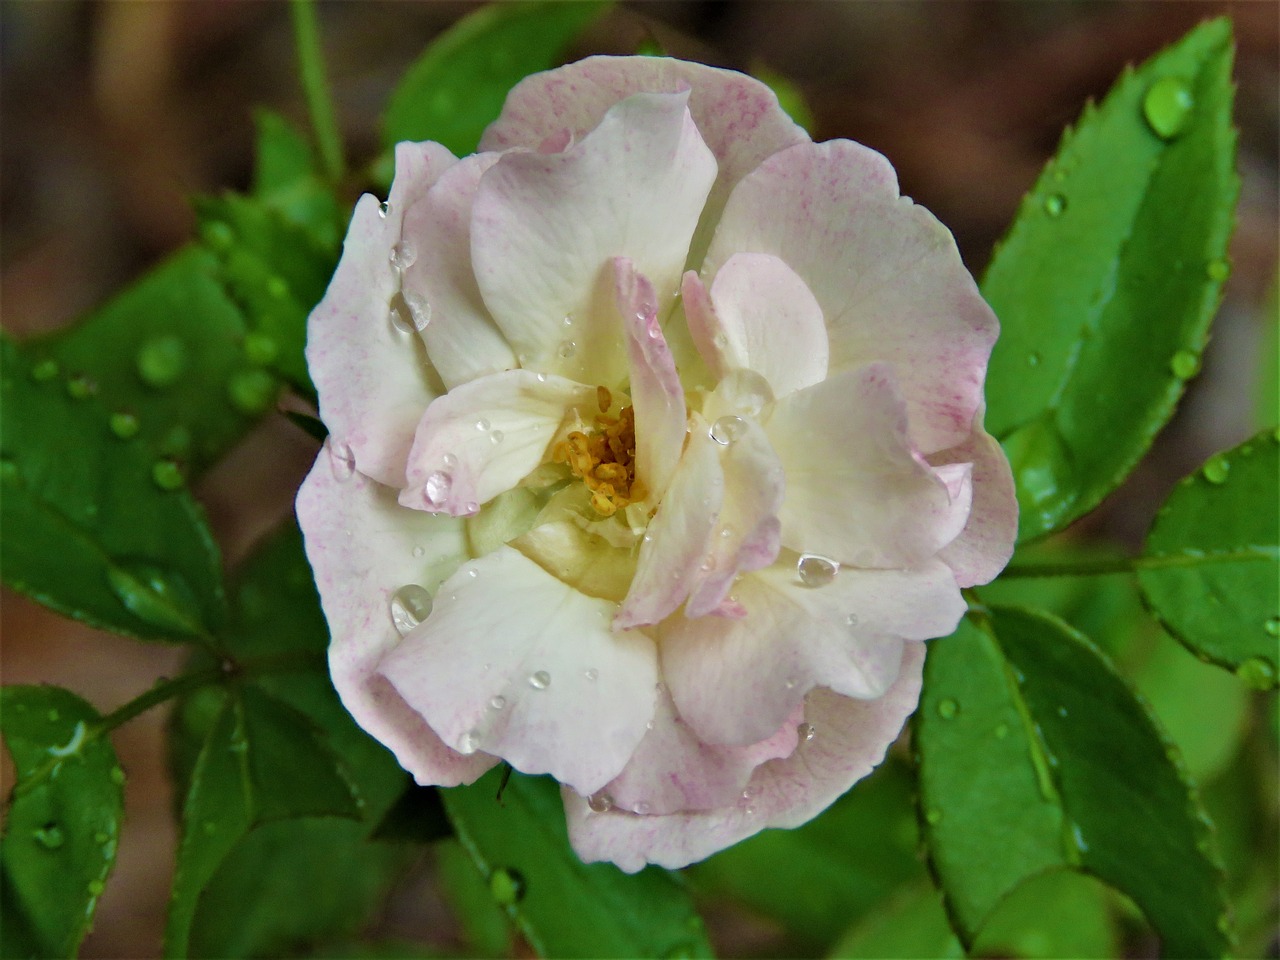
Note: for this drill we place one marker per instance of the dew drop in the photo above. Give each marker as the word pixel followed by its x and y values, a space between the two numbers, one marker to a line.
pixel 482 424
pixel 568 320
pixel 948 708
pixel 507 886
pixel 1062 711
pixel 384 209
pixel 101 838
pixel 851 620
pixel 727 429
pixel 1218 270
pixel 473 573
pixel 600 802
pixel 81 387
pixel 167 475
pixel 259 349
pixel 50 836
pixel 419 552
pixel 567 349
pixel 726 532
pixel 8 469
pixel 540 680
pixel 403 255
pixel 816 571
pixel 218 235
pixel 592 674
pixel 641 807
pixel 470 742
pixel 1033 359
pixel 542 378
pixel 419 311
pixel 1185 364
pixel 1054 204
pixel 410 605
pixel 1002 731
pixel 1167 106
pixel 252 391
pixel 95 888
pixel 1257 673
pixel 1216 468
pixel 497 703
pixel 805 732
pixel 44 371
pixel 342 461
pixel 399 314
pixel 124 425
pixel 435 492
pixel 449 461
pixel 471 508
pixel 933 816
pixel 161 361
pixel 1273 626
pixel 117 776
pixel 497 437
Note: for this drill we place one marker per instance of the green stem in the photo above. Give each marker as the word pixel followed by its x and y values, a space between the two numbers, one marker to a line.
pixel 306 33
pixel 165 690
pixel 1077 568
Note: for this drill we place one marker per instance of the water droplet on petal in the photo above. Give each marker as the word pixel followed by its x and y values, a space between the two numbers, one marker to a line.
pixel 592 674
pixel 497 703
pixel 473 573
pixel 470 742
pixel 124 425
pixel 641 807
pixel 948 708
pixel 568 320
pixel 1216 468
pixel 419 311
pixel 1167 106
pixel 567 349
pixel 600 802
pixel 161 361
pixel 342 461
pixel 403 255
pixel 435 492
pixel 805 732
pixel 419 552
pixel 542 378
pixel 1054 204
pixel 449 461
pixel 497 437
pixel 50 836
pixel 482 424
pixel 816 571
pixel 384 208
pixel 727 429
pixel 851 620
pixel 410 605
pixel 540 680
pixel 753 392
pixel 1185 364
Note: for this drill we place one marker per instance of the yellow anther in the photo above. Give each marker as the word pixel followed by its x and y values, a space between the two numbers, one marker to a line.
pixel 604 398
pixel 605 459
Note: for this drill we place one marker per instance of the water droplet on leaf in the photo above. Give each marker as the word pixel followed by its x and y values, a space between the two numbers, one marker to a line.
pixel 259 349
pixel 81 387
pixel 44 371
pixel 496 437
pixel 1055 204
pixel 507 886
pixel 948 708
pixel 410 605
pixel 252 391
pixel 161 361
pixel 1218 270
pixel 419 311
pixel 157 596
pixel 167 475
pixel 124 425
pixel 1273 626
pixel 933 816
pixel 49 836
pixel 1185 364
pixel 1216 468
pixel 1257 673
pixel 1167 106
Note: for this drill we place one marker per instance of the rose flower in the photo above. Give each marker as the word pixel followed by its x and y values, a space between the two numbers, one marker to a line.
pixel 655 450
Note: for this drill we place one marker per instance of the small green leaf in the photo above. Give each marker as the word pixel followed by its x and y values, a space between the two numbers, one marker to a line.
pixel 1034 754
pixel 88 530
pixel 566 908
pixel 457 87
pixel 1108 279
pixel 62 823
pixel 816 878
pixel 261 761
pixel 287 180
pixel 159 356
pixel 1211 572
pixel 910 926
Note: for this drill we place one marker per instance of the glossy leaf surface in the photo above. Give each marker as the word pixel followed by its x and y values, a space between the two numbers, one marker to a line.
pixel 62 824
pixel 1109 277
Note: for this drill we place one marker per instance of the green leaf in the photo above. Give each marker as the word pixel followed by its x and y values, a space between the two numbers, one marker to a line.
pixel 840 865
pixel 910 926
pixel 88 530
pixel 1034 754
pixel 790 97
pixel 276 272
pixel 566 908
pixel 1211 572
pixel 287 180
pixel 1108 279
pixel 416 817
pixel 457 87
pixel 62 823
pixel 161 355
pixel 486 925
pixel 261 761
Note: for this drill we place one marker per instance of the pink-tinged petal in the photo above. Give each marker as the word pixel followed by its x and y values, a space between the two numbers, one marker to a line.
pixel 736 681
pixel 363 547
pixel 984 546
pixel 545 229
pixel 768 322
pixel 484 437
pixel 518 664
pixel 738 117
pixel 748 534
pixel 850 738
pixel 702 322
pixel 372 383
pixel 678 538
pixel 656 394
pixel 855 491
pixel 673 771
pixel 462 340
pixel 886 274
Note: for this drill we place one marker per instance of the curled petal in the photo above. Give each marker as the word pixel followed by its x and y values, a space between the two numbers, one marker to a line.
pixel 516 663
pixel 484 437
pixel 371 382
pixel 981 550
pixel 546 228
pixel 736 681
pixel 850 739
pixel 356 577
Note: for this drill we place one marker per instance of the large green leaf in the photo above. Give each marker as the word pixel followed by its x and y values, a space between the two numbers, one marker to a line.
pixel 288 180
pixel 816 878
pixel 566 908
pixel 457 87
pixel 1109 277
pixel 90 526
pixel 1034 754
pixel 162 355
pixel 1211 572
pixel 261 761
pixel 62 823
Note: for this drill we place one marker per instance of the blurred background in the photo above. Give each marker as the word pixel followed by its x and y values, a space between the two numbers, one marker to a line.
pixel 113 114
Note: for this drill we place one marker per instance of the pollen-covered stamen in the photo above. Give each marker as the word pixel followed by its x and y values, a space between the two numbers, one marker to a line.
pixel 605 458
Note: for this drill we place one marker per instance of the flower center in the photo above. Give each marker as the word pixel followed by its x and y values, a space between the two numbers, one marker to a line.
pixel 605 458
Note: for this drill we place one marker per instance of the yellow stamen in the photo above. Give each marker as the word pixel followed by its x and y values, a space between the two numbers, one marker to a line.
pixel 605 459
